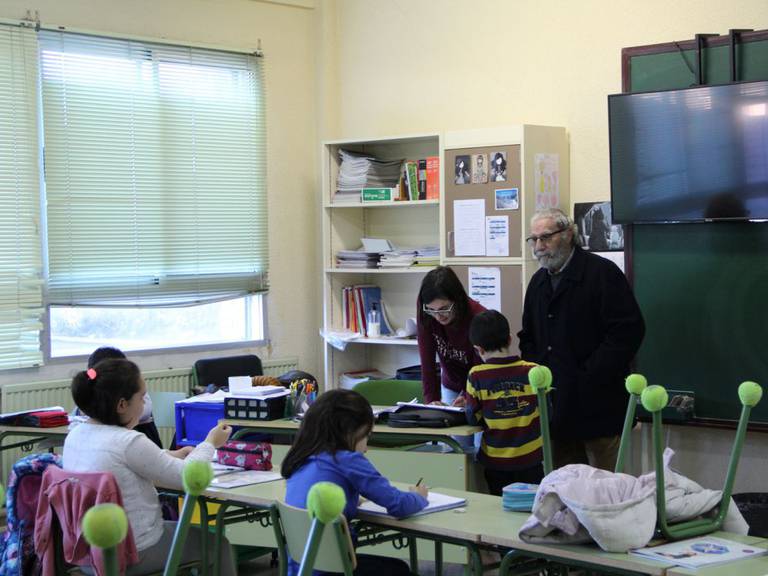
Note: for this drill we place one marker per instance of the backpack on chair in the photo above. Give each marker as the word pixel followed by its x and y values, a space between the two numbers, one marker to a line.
pixel 17 543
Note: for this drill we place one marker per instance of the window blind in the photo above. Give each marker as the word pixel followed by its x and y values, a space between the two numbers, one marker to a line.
pixel 21 305
pixel 155 172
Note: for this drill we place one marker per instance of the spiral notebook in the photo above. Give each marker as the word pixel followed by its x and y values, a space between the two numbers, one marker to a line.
pixel 437 502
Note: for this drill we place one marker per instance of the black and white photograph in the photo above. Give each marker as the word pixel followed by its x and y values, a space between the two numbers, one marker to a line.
pixel 479 168
pixel 596 230
pixel 462 174
pixel 507 199
pixel 499 166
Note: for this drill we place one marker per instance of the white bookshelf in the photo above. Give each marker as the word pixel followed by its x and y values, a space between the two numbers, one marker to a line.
pixel 405 223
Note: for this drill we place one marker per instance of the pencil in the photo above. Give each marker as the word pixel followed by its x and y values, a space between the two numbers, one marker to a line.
pixel 420 481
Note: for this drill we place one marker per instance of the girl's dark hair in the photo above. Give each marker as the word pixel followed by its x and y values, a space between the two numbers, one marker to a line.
pixel 442 283
pixel 337 420
pixel 98 396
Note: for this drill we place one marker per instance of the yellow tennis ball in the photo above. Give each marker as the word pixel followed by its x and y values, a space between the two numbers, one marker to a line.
pixel 635 384
pixel 540 377
pixel 750 393
pixel 105 525
pixel 325 501
pixel 197 475
pixel 654 398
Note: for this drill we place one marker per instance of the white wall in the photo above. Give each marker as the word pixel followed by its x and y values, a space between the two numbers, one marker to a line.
pixel 289 42
pixel 436 65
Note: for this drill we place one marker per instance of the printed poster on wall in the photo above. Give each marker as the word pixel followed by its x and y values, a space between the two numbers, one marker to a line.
pixel 497 235
pixel 469 227
pixel 485 286
pixel 546 180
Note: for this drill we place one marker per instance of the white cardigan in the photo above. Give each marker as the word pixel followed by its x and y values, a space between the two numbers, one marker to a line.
pixel 137 464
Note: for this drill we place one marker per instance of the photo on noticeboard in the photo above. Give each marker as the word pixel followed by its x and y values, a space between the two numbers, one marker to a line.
pixel 462 174
pixel 596 229
pixel 479 168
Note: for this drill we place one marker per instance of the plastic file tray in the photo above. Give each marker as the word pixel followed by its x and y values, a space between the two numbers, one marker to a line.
pixel 195 419
pixel 254 408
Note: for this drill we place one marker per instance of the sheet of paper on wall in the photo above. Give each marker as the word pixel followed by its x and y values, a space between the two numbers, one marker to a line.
pixel 497 235
pixel 615 257
pixel 546 180
pixel 469 227
pixel 485 286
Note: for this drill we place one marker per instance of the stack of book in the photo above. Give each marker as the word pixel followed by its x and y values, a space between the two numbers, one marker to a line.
pixel 420 179
pixel 401 258
pixel 358 171
pixel 519 496
pixel 428 256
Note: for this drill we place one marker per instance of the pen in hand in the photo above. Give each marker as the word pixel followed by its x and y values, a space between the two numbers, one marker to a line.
pixel 420 481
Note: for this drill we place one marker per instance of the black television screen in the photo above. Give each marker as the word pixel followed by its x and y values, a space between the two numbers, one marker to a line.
pixel 690 155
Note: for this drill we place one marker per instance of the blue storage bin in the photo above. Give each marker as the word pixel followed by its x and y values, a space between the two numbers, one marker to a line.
pixel 195 419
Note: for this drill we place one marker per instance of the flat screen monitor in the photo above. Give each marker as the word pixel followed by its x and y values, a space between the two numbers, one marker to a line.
pixel 690 155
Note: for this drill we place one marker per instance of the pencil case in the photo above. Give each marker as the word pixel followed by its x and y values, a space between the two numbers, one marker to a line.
pixel 248 455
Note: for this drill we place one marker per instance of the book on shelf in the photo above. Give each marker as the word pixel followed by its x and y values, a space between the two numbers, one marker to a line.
pixel 437 502
pixel 411 170
pixel 422 179
pixel 701 551
pixel 358 301
pixel 433 177
pixel 358 171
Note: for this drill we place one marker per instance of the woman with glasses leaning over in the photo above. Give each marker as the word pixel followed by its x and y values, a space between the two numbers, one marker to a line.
pixel 444 315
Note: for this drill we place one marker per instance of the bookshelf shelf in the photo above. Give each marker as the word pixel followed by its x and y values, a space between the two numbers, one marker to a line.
pixel 397 204
pixel 411 270
pixel 406 223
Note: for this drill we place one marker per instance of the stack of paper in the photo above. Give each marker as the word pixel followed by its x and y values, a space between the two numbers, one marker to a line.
pixel 428 256
pixel 402 258
pixel 358 171
pixel 519 496
pixel 357 259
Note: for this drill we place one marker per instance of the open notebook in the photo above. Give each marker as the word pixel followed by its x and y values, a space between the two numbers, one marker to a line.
pixel 437 502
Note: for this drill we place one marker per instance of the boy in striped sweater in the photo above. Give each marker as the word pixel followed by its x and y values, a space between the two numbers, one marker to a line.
pixel 500 399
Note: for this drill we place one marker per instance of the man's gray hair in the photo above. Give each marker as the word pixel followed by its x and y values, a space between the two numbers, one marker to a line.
pixel 562 221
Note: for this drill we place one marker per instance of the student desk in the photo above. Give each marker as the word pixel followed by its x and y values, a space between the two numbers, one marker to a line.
pixel 32 435
pixel 751 567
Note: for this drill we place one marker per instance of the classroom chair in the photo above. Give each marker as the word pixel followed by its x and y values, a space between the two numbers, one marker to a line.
pixel 217 371
pixel 389 393
pixel 335 553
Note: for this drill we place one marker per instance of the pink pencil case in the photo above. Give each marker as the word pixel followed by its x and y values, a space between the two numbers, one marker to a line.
pixel 248 455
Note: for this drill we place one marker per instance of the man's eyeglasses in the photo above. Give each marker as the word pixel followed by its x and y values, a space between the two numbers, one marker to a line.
pixel 439 312
pixel 545 238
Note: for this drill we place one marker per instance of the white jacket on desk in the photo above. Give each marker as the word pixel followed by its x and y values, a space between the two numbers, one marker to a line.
pixel 578 503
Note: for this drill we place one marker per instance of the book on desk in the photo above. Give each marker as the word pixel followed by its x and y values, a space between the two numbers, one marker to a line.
pixel 701 551
pixel 437 502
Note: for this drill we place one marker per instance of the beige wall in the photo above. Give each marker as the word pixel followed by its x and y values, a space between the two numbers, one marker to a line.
pixel 289 43
pixel 409 66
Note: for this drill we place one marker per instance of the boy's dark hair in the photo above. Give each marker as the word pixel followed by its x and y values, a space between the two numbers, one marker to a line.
pixel 103 353
pixel 489 330
pixel 442 283
pixel 337 420
pixel 98 396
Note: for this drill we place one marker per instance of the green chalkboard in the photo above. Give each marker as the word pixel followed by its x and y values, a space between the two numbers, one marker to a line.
pixel 703 288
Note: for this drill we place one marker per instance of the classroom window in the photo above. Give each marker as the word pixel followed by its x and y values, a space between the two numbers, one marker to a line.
pixel 155 193
pixel 79 330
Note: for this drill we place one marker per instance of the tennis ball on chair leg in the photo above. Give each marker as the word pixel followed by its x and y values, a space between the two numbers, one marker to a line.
pixel 105 525
pixel 326 501
pixel 197 475
pixel 540 377
pixel 654 398
pixel 635 384
pixel 750 393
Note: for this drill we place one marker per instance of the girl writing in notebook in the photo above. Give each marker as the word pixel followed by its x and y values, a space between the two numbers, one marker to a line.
pixel 330 446
pixel 112 395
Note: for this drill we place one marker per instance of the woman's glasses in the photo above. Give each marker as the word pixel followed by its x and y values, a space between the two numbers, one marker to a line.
pixel 545 238
pixel 439 312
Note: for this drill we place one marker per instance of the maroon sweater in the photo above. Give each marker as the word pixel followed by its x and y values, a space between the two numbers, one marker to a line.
pixel 453 349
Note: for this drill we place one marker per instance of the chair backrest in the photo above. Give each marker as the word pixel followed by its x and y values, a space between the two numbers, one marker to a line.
pixel 390 392
pixel 217 371
pixel 64 498
pixel 295 524
pixel 164 407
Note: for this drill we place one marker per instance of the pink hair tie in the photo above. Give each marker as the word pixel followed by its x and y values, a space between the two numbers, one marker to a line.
pixel 91 373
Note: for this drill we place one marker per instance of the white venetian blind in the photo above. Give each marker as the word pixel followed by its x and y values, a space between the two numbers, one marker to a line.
pixel 155 172
pixel 21 304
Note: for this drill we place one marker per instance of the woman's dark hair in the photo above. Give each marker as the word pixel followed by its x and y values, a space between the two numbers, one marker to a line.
pixel 442 283
pixel 490 331
pixel 103 353
pixel 337 420
pixel 98 390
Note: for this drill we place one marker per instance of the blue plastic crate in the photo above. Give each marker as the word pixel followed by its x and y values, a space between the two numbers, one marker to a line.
pixel 195 419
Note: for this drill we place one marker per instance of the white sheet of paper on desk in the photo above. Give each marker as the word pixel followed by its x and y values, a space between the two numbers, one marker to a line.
pixel 244 478
pixel 437 502
pixel 212 398
pixel 238 383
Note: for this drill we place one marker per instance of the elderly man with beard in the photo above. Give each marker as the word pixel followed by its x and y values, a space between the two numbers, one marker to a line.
pixel 581 320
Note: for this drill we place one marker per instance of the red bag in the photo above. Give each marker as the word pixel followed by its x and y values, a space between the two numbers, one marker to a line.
pixel 248 455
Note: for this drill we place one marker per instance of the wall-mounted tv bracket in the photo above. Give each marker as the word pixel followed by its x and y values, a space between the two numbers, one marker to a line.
pixel 734 36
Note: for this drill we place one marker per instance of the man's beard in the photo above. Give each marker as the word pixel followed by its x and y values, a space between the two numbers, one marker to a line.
pixel 553 261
